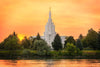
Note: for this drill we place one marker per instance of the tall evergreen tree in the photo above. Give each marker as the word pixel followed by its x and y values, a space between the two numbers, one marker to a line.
pixel 57 44
pixel 84 43
pixel 38 37
pixel 14 33
pixel 79 44
pixel 80 37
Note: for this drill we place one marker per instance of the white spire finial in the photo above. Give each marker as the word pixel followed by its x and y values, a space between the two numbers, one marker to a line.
pixel 50 12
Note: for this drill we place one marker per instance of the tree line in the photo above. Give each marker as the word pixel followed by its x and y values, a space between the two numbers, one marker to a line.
pixel 91 41
pixel 71 46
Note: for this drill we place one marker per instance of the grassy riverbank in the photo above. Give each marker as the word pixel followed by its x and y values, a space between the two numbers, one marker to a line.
pixel 31 54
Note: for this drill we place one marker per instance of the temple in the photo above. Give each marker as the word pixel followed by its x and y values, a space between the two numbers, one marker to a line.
pixel 50 33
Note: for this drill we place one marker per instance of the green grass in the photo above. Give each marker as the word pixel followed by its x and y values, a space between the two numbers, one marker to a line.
pixel 91 52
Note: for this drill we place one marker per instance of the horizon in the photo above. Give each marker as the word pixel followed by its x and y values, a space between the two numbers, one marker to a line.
pixel 27 18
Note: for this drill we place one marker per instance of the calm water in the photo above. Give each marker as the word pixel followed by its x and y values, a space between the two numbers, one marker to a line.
pixel 51 63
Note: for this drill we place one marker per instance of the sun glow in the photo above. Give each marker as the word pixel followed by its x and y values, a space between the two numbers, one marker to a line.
pixel 21 37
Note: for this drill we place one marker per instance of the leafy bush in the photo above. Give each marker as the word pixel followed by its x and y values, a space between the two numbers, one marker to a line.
pixel 54 53
pixel 41 47
pixel 26 53
pixel 72 50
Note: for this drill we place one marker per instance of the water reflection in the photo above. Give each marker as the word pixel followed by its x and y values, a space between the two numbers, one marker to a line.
pixel 51 63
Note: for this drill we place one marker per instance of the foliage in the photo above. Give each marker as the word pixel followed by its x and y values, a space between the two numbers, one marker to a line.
pixel 54 53
pixel 88 48
pixel 95 53
pixel 91 39
pixel 59 53
pixel 79 44
pixel 38 37
pixel 10 53
pixel 80 37
pixel 26 53
pixel 70 39
pixel 84 42
pixel 57 44
pixel 32 42
pixel 38 47
pixel 26 43
pixel 72 50
pixel 11 43
pixel 41 47
pixel 98 44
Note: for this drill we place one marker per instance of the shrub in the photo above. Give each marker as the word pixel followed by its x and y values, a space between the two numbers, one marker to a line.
pixel 26 53
pixel 72 50
pixel 41 47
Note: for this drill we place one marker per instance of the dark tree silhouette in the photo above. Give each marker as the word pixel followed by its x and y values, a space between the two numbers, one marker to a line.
pixel 57 44
pixel 79 44
pixel 92 39
pixel 98 45
pixel 38 37
pixel 70 39
pixel 80 37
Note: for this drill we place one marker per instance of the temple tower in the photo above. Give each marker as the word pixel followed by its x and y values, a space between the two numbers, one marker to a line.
pixel 49 33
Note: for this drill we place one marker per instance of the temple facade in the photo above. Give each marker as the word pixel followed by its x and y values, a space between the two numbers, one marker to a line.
pixel 50 33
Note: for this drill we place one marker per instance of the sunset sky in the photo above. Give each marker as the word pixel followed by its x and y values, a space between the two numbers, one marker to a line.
pixel 28 17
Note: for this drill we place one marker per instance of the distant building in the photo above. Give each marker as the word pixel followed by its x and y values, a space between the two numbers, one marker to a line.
pixel 50 33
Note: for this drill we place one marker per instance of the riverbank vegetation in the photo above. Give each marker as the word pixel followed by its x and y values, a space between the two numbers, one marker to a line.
pixel 84 47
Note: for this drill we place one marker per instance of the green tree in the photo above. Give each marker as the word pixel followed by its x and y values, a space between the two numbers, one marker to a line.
pixel 70 39
pixel 98 45
pixel 57 44
pixel 33 40
pixel 2 45
pixel 92 38
pixel 41 47
pixel 26 43
pixel 84 42
pixel 80 37
pixel 72 49
pixel 11 42
pixel 79 44
pixel 38 37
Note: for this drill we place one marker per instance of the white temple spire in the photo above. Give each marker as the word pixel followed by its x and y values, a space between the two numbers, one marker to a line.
pixel 50 13
pixel 49 33
pixel 50 19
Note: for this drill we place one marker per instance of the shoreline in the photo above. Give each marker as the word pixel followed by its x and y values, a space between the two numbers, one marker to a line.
pixel 41 57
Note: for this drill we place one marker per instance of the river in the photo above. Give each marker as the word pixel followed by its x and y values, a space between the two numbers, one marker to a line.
pixel 51 63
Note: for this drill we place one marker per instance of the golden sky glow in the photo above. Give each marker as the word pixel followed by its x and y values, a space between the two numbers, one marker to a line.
pixel 21 36
pixel 28 17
